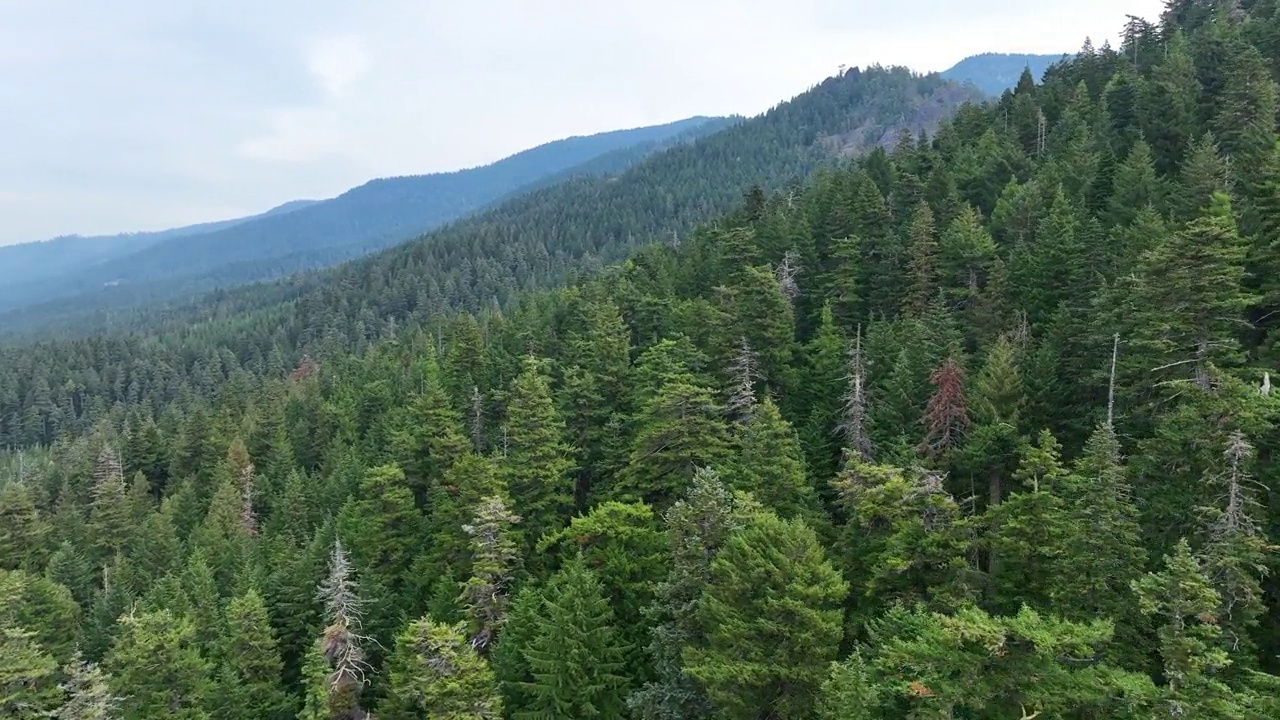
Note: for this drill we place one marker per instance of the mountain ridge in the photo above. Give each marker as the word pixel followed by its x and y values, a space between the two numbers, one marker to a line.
pixel 377 213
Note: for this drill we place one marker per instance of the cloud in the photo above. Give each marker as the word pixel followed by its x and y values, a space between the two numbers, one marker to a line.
pixel 339 62
pixel 137 115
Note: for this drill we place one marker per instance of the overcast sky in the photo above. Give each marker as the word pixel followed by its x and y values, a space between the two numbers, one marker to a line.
pixel 146 114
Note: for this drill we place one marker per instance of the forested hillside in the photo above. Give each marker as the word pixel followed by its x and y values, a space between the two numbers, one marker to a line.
pixel 977 427
pixel 26 266
pixel 73 279
pixel 578 224
pixel 994 73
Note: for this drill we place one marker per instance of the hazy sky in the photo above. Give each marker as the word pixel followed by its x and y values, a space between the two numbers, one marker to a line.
pixel 143 114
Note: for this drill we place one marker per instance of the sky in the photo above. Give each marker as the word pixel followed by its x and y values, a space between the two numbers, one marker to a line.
pixel 142 115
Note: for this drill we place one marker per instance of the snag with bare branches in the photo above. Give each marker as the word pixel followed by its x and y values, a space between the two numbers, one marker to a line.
pixel 853 424
pixel 745 369
pixel 786 273
pixel 341 645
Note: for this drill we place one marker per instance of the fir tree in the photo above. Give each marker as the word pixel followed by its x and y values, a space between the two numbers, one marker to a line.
pixel 697 527
pixel 922 262
pixel 436 673
pixel 575 659
pixel 433 439
pixel 493 561
pixel 157 669
pixel 87 693
pixel 771 614
pixel 537 463
pixel 336 669
pixel 771 467
pixel 109 516
pixel 22 530
pixel 248 681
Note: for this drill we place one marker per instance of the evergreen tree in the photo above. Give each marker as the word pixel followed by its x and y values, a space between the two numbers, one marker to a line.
pixel 537 463
pixel 27 687
pixel 1184 602
pixel 109 515
pixel 1186 302
pixel 494 558
pixel 770 465
pixel 624 546
pixel 771 613
pixel 157 669
pixel 922 261
pixel 87 693
pixel 22 530
pixel 677 431
pixel 248 680
pixel 435 673
pixel 383 531
pixel 433 438
pixel 697 527
pixel 335 672
pixel 574 656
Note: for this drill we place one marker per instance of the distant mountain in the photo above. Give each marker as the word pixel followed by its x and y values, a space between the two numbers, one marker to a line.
pixel 307 234
pixel 576 225
pixel 33 262
pixel 993 73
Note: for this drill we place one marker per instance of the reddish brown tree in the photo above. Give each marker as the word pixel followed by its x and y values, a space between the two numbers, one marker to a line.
pixel 946 416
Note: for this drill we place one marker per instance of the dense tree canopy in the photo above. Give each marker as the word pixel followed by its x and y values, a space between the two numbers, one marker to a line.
pixel 980 426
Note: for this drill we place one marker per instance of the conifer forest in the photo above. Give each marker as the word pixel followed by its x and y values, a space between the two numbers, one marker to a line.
pixel 978 424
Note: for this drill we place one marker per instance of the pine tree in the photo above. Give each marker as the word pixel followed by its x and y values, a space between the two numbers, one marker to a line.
pixel 596 367
pixel 946 416
pixel 538 461
pixel 764 318
pixel 772 618
pixel 109 516
pixel 624 546
pixel 221 536
pixel 1026 534
pixel 27 687
pixel 1170 104
pixel 1104 552
pixel 1236 556
pixel 383 530
pixel 157 669
pixel 678 431
pixel 969 663
pixel 575 658
pixel 966 254
pixel 436 673
pixel 248 681
pixel 453 504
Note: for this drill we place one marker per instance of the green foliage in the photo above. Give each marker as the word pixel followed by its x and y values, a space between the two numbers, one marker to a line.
pixel 771 617
pixel 248 679
pixel 576 662
pixel 157 669
pixel 436 673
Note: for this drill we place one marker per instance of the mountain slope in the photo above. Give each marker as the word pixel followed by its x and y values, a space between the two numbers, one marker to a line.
pixel 379 213
pixel 24 265
pixel 993 73
pixel 534 239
